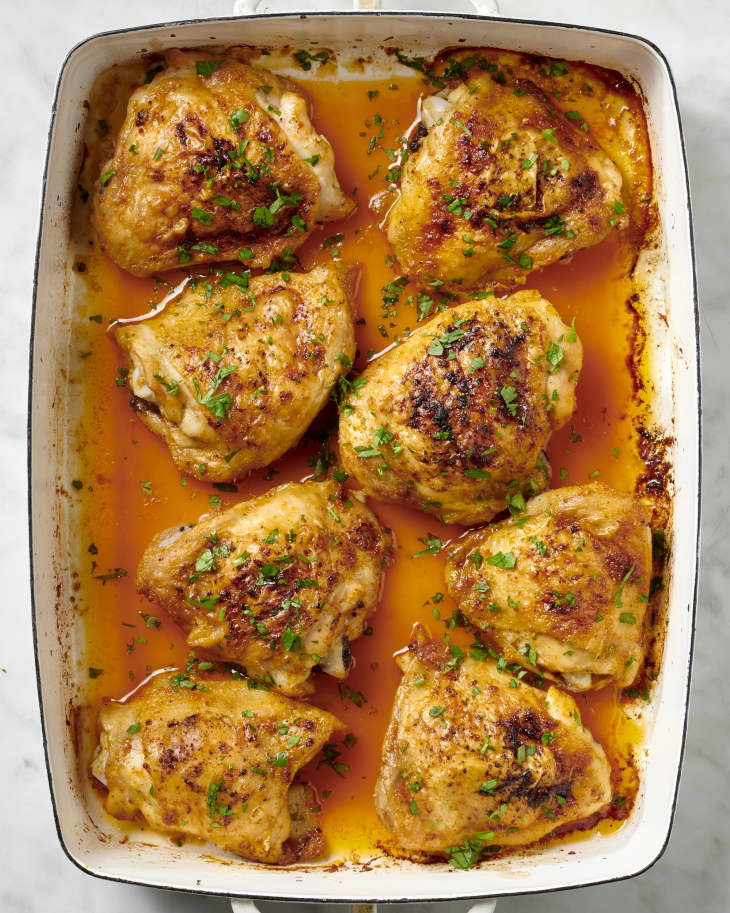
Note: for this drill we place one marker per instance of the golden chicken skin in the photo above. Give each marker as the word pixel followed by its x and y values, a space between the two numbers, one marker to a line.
pixel 217 761
pixel 500 182
pixel 280 583
pixel 216 160
pixel 474 760
pixel 454 420
pixel 563 587
pixel 235 369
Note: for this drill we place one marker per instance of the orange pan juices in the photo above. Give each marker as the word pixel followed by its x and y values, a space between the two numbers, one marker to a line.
pixel 131 489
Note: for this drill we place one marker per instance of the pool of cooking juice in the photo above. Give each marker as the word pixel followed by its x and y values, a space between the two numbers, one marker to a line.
pixel 132 490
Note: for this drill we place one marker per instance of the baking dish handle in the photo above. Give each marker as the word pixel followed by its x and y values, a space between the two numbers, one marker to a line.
pixel 248 7
pixel 242 905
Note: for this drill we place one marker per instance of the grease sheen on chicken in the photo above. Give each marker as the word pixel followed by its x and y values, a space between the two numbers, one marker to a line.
pixel 215 760
pixel 503 182
pixel 234 370
pixel 454 420
pixel 470 762
pixel 279 583
pixel 216 160
pixel 564 586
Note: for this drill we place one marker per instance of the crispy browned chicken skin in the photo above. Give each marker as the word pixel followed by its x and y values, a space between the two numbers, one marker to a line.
pixel 453 420
pixel 215 760
pixel 216 160
pixel 502 183
pixel 233 372
pixel 564 586
pixel 279 583
pixel 470 762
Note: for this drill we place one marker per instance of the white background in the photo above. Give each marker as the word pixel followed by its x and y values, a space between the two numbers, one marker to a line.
pixel 692 875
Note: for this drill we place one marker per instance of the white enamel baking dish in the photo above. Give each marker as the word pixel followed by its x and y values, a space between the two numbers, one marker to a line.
pixel 86 835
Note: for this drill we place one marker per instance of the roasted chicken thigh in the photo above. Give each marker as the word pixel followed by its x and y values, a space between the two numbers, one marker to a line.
pixel 503 182
pixel 564 586
pixel 234 370
pixel 215 760
pixel 454 419
pixel 216 160
pixel 471 762
pixel 280 583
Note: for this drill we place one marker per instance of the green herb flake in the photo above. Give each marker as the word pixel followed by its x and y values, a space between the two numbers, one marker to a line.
pixel 206 67
pixel 505 560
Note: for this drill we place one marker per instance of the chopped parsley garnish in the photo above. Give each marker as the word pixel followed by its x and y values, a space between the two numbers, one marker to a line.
pixel 206 67
pixel 208 603
pixel 478 473
pixel 432 545
pixel 112 575
pixel 563 598
pixel 505 560
pixel 617 598
pixel 467 855
pixel 441 344
pixel 218 404
pixel 239 116
pixel 290 641
pixel 172 388
pixel 331 754
pixel 516 503
pixel 214 809
pixel 305 59
pixel 201 215
pixel 554 356
pixel 509 397
pixel 151 73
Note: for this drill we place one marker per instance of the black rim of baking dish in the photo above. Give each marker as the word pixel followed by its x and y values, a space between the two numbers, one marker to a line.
pixel 532 23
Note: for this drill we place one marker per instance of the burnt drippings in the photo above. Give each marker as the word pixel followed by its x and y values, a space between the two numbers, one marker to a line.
pixel 655 450
pixel 431 653
pixel 586 188
pixel 522 725
pixel 181 134
pixel 473 156
pixel 637 344
pixel 143 406
pixel 414 141
pixel 618 563
pixel 563 604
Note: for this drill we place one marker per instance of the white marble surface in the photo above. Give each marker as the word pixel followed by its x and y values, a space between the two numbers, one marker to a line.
pixel 692 875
